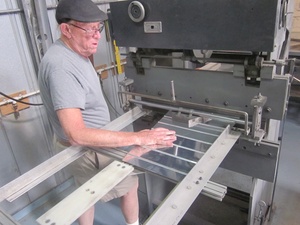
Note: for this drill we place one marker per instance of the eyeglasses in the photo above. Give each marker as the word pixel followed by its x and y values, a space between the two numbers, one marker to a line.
pixel 90 31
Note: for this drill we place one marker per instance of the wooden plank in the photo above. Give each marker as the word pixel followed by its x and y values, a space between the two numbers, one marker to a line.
pixel 104 73
pixel 9 109
pixel 105 69
pixel 69 209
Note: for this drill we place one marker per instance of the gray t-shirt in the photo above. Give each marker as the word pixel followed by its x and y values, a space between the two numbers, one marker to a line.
pixel 68 80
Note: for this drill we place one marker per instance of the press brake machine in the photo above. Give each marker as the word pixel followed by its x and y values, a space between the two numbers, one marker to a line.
pixel 200 68
pixel 217 73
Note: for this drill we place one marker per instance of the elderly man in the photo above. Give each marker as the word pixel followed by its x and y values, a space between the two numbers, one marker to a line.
pixel 75 105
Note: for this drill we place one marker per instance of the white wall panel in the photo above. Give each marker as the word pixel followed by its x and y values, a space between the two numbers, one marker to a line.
pixel 25 142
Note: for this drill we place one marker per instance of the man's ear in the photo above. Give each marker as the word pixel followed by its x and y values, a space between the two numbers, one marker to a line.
pixel 65 30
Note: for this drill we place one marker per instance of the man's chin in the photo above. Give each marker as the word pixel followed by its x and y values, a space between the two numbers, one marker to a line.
pixel 93 50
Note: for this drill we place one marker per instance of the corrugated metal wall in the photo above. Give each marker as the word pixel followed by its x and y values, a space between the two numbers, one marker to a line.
pixel 24 141
pixel 27 141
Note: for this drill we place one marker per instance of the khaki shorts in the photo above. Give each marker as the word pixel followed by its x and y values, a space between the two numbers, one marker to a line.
pixel 89 165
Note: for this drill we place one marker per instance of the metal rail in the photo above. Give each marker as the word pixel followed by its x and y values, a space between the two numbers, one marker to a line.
pixel 66 212
pixel 8 101
pixel 10 11
pixel 181 198
pixel 213 60
pixel 194 112
pixel 33 177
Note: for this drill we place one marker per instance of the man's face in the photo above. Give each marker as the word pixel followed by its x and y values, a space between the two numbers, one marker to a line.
pixel 85 37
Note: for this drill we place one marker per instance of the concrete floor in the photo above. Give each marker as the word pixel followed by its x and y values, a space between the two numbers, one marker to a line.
pixel 286 210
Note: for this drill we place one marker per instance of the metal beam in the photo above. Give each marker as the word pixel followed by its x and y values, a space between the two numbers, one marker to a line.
pixel 33 177
pixel 199 113
pixel 6 219
pixel 125 120
pixel 69 209
pixel 43 25
pixel 183 195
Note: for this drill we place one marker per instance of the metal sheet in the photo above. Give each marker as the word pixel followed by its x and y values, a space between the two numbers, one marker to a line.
pixel 180 199
pixel 175 162
pixel 258 161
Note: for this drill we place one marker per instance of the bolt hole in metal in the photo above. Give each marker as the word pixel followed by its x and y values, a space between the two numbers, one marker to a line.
pixel 92 192
pixel 48 221
pixel 39 37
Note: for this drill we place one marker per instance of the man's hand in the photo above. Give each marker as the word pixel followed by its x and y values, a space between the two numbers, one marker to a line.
pixel 150 140
pixel 138 151
pixel 157 136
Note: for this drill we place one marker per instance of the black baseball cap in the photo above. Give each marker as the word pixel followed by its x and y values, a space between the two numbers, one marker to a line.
pixel 84 11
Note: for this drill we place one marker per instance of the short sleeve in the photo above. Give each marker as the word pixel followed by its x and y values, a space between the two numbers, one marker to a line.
pixel 66 91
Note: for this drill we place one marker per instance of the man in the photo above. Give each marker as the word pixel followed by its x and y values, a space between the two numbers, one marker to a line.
pixel 75 105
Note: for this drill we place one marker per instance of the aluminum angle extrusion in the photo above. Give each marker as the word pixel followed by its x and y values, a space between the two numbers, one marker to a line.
pixel 183 195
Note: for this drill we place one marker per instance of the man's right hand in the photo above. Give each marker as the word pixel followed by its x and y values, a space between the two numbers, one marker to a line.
pixel 157 136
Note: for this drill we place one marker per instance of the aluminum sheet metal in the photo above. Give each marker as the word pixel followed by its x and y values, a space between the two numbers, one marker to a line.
pixel 175 162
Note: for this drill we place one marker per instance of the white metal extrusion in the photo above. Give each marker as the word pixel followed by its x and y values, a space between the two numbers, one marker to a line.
pixel 38 174
pixel 69 209
pixel 33 177
pixel 183 195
